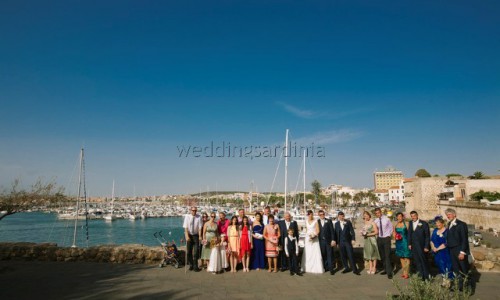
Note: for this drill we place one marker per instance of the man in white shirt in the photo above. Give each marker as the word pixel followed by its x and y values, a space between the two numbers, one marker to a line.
pixel 192 230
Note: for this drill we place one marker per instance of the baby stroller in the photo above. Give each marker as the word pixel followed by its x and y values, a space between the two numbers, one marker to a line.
pixel 171 255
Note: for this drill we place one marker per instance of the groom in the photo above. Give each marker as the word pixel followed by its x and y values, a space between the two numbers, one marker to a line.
pixel 345 237
pixel 326 237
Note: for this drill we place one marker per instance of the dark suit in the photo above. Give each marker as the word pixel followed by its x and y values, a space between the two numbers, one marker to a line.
pixel 419 239
pixel 458 241
pixel 326 236
pixel 344 238
pixel 284 233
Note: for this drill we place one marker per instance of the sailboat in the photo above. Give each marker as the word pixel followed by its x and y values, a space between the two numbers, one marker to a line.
pixel 82 197
pixel 110 216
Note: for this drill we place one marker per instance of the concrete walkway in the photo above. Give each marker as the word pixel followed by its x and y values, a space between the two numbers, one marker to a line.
pixel 57 280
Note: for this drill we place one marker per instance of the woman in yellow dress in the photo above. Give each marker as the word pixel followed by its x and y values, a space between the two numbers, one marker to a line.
pixel 233 236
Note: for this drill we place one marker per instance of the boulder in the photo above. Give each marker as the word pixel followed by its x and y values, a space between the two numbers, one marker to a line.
pixel 478 255
pixel 488 265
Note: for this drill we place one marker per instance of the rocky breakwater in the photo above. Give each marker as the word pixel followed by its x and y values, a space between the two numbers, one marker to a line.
pixel 123 254
pixel 486 259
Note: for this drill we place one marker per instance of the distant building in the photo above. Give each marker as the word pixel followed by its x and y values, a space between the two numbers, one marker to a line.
pixel 387 179
pixel 423 194
pixel 382 195
pixel 397 193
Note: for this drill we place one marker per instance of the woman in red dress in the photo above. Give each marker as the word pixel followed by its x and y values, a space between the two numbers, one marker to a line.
pixel 245 243
pixel 271 235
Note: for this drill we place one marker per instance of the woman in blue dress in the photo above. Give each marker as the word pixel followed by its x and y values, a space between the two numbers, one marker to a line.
pixel 442 257
pixel 402 251
pixel 258 250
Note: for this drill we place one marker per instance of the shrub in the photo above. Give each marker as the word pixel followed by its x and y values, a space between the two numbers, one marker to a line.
pixel 418 289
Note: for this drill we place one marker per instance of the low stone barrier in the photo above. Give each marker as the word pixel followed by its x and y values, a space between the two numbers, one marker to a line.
pixel 486 259
pixel 123 254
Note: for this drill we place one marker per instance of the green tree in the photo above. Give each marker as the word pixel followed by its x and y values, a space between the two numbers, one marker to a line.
pixel 422 173
pixel 453 175
pixel 17 199
pixel 491 196
pixel 345 198
pixel 316 189
pixel 477 175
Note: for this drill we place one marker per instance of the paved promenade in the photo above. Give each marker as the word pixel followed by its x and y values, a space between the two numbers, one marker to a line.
pixel 56 280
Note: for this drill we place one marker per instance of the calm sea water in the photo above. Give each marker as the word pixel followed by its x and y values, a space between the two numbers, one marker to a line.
pixel 44 227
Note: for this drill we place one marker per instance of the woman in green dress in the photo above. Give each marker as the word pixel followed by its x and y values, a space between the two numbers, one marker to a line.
pixel 209 232
pixel 370 250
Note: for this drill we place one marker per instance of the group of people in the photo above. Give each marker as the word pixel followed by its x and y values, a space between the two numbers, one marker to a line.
pixel 449 245
pixel 222 244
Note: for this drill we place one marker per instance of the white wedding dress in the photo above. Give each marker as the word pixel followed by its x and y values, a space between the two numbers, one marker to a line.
pixel 311 257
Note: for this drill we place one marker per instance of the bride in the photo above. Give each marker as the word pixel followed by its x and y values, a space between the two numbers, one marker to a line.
pixel 311 258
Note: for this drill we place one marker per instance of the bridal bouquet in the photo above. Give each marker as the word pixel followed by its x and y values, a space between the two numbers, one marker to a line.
pixel 204 242
pixel 258 236
pixel 312 236
pixel 398 237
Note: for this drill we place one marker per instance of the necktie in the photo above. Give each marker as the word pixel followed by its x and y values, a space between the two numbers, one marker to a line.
pixel 192 226
pixel 381 229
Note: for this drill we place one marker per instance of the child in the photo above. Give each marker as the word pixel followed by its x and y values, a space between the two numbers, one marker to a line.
pixel 224 252
pixel 215 262
pixel 292 252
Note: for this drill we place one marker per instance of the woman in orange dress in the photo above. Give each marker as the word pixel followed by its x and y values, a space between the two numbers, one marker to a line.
pixel 271 235
pixel 233 236
pixel 245 243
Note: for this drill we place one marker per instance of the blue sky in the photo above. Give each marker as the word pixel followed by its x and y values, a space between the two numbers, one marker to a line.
pixel 387 83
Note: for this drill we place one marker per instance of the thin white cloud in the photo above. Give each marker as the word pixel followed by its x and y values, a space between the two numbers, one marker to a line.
pixel 301 113
pixel 314 114
pixel 329 137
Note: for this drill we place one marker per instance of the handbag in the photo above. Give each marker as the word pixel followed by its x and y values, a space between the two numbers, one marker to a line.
pixel 471 258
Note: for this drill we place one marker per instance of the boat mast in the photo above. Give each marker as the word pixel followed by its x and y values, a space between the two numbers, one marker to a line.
pixel 304 166
pixel 81 189
pixel 286 165
pixel 113 198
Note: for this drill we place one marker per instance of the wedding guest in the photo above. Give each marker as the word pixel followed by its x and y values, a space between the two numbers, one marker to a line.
pixel 442 257
pixel 285 224
pixel 233 243
pixel 345 238
pixel 246 244
pixel 292 252
pixel 326 237
pixel 222 225
pixel 192 229
pixel 241 214
pixel 402 250
pixel 370 249
pixel 210 231
pixel 458 244
pixel 311 256
pixel 204 254
pixel 418 243
pixel 258 250
pixel 385 230
pixel 271 235
pixel 265 216
pixel 215 262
